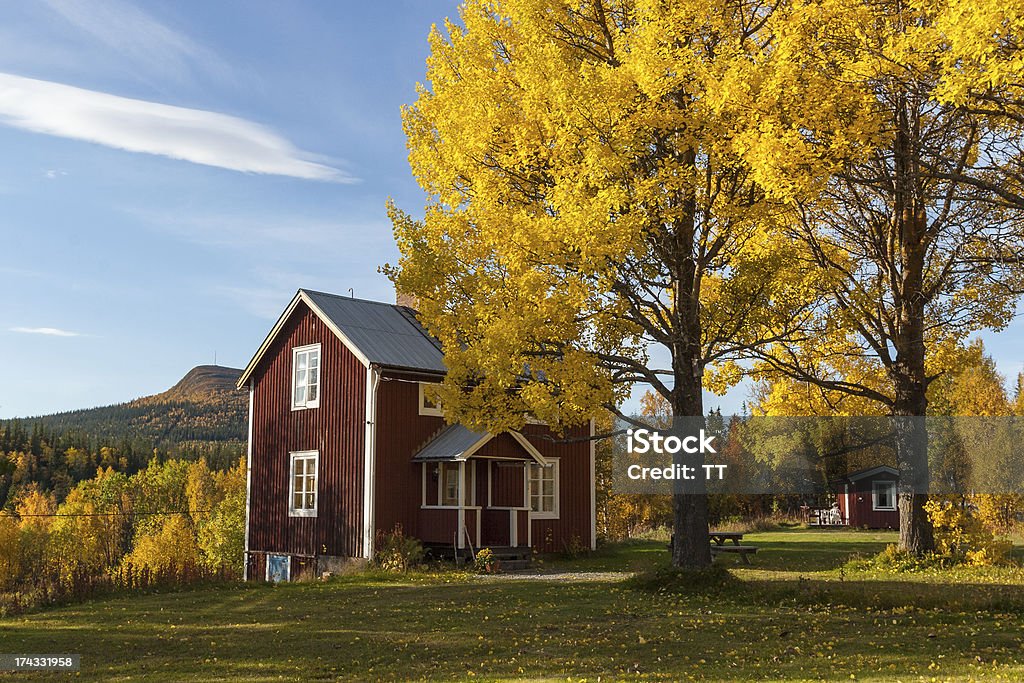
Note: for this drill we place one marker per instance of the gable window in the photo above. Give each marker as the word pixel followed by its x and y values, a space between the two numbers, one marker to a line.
pixel 428 406
pixel 302 487
pixel 544 489
pixel 883 495
pixel 306 377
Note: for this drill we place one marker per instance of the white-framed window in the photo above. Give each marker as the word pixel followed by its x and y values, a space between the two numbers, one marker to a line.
pixel 544 489
pixel 428 406
pixel 306 377
pixel 883 495
pixel 302 495
pixel 449 480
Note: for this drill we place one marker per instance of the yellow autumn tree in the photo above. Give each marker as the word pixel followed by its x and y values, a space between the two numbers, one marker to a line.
pixel 35 510
pixel 590 222
pixel 917 235
pixel 10 551
pixel 1018 396
pixel 92 530
pixel 170 546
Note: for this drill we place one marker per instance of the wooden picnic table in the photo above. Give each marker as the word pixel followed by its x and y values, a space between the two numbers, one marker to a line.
pixel 720 537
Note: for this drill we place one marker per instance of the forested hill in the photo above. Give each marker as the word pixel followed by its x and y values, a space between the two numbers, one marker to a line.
pixel 203 406
pixel 202 416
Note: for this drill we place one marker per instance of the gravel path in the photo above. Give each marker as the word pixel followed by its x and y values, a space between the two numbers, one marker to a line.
pixel 574 577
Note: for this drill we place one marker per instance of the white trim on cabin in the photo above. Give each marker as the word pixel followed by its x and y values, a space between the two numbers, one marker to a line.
pixel 248 484
pixel 461 495
pixel 470 452
pixel 370 460
pixel 593 488
pixel 846 503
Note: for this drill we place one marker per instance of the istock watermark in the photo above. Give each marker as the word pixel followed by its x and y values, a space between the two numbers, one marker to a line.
pixel 645 441
pixel 814 455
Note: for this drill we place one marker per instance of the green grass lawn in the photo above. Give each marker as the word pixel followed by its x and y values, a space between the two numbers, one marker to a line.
pixel 794 615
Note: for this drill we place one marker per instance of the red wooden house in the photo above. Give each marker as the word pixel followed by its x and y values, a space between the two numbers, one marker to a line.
pixel 867 498
pixel 344 444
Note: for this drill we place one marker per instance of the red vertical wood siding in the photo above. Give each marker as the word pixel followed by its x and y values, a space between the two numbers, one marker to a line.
pixel 335 429
pixel 438 525
pixel 507 485
pixel 495 528
pixel 861 513
pixel 401 433
pixel 574 518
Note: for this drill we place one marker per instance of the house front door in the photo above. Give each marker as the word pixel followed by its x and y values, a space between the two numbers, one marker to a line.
pixel 503 502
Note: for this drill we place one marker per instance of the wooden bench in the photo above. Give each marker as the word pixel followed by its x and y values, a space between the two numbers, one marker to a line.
pixel 744 551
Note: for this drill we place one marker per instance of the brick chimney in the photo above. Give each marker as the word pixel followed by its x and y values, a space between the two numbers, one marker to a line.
pixel 407 300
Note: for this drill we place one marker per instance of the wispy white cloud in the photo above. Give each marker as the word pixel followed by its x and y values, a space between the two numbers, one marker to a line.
pixel 318 238
pixel 152 46
pixel 196 135
pixel 261 301
pixel 47 331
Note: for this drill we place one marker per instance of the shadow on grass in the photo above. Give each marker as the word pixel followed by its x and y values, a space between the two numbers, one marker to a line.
pixel 885 594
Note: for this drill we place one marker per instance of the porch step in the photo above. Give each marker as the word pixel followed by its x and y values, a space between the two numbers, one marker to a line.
pixel 512 559
pixel 509 557
pixel 514 565
pixel 510 553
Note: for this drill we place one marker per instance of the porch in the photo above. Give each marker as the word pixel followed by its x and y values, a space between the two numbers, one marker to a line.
pixel 476 491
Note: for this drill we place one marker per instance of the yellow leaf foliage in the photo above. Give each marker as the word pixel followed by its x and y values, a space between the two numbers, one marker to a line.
pixel 578 160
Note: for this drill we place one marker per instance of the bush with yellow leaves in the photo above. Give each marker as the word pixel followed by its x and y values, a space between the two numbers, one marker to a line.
pixel 962 538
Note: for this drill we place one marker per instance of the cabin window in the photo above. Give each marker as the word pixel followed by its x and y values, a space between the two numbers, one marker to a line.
pixel 883 495
pixel 306 377
pixel 302 489
pixel 544 489
pixel 449 481
pixel 428 406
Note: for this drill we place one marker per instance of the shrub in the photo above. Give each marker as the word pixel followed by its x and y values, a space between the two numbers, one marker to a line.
pixel 575 548
pixel 961 538
pixel 713 579
pixel 397 552
pixel 892 559
pixel 484 561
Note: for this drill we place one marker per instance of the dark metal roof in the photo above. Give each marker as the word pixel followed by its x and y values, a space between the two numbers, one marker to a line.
pixel 386 334
pixel 872 471
pixel 451 444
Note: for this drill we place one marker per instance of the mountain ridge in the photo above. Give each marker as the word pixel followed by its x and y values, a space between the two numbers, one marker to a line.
pixel 203 406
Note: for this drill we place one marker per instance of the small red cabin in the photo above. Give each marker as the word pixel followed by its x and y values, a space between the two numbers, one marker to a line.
pixel 867 498
pixel 344 445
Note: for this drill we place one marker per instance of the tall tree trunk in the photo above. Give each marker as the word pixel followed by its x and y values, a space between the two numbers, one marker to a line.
pixel 908 372
pixel 691 548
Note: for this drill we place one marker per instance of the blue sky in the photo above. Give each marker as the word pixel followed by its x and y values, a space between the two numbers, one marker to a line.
pixel 173 172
